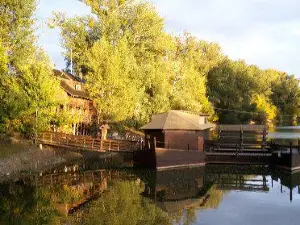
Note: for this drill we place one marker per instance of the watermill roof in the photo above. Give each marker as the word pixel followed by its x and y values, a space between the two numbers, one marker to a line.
pixel 178 120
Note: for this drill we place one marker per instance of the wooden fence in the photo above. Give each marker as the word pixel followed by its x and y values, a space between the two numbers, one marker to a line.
pixel 239 138
pixel 87 142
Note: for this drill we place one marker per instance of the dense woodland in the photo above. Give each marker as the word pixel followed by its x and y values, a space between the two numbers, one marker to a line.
pixel 133 68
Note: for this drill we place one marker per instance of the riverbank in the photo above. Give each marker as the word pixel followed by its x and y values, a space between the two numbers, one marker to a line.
pixel 25 157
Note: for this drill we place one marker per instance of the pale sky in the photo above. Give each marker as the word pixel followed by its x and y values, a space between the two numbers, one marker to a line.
pixel 262 32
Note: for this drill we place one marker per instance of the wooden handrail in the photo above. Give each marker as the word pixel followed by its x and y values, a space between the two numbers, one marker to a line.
pixel 87 142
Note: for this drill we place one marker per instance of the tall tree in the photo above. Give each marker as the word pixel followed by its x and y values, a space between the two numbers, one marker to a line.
pixel 111 79
pixel 286 96
pixel 134 68
pixel 27 83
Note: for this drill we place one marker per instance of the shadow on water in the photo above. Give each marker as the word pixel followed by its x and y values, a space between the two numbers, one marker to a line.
pixel 87 193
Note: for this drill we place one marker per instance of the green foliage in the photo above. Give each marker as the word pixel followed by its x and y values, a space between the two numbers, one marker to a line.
pixel 286 96
pixel 231 85
pixel 27 81
pixel 266 111
pixel 111 79
pixel 194 60
pixel 133 69
pixel 242 93
pixel 132 66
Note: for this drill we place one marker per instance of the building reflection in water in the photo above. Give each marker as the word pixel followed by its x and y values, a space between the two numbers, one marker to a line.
pixel 204 188
pixel 82 194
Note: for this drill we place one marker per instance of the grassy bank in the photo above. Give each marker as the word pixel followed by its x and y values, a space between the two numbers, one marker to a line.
pixel 24 157
pixel 7 149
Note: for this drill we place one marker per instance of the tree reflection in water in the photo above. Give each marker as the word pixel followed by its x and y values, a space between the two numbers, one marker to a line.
pixel 22 204
pixel 123 205
pixel 135 197
pixel 112 197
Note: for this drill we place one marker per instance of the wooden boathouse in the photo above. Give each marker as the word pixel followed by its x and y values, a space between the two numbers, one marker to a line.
pixel 174 139
pixel 177 129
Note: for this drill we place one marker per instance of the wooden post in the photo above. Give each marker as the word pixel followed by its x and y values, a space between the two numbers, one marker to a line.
pixel 141 145
pixel 241 138
pixel 291 154
pixel 154 142
pixel 272 183
pixel 93 144
pixel 118 146
pixel 264 138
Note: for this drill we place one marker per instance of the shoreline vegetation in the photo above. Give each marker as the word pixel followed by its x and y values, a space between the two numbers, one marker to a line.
pixel 23 157
pixel 132 69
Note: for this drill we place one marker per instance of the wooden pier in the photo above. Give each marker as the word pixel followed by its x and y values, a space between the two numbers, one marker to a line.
pixel 87 143
pixel 286 157
pixel 239 144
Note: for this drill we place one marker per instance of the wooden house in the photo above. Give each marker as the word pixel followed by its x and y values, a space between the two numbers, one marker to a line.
pixel 174 139
pixel 178 130
pixel 79 105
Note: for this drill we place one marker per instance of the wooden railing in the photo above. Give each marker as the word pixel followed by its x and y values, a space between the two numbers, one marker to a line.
pixel 240 138
pixel 87 142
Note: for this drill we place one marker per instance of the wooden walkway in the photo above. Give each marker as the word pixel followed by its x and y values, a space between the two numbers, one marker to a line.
pixel 88 143
pixel 239 144
pixel 240 139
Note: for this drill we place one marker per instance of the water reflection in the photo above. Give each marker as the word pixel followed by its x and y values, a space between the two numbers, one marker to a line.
pixel 85 194
pixel 285 134
pixel 181 192
pixel 25 204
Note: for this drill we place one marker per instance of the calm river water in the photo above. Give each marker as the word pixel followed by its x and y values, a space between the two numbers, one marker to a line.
pixel 81 194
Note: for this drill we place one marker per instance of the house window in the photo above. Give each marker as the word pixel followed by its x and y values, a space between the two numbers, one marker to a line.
pixel 77 87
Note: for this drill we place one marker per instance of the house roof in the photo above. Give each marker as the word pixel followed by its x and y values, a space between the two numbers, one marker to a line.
pixel 74 93
pixel 177 120
pixel 67 88
pixel 66 75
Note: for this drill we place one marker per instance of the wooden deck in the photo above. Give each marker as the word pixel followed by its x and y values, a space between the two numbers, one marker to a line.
pixel 239 144
pixel 239 138
pixel 87 143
